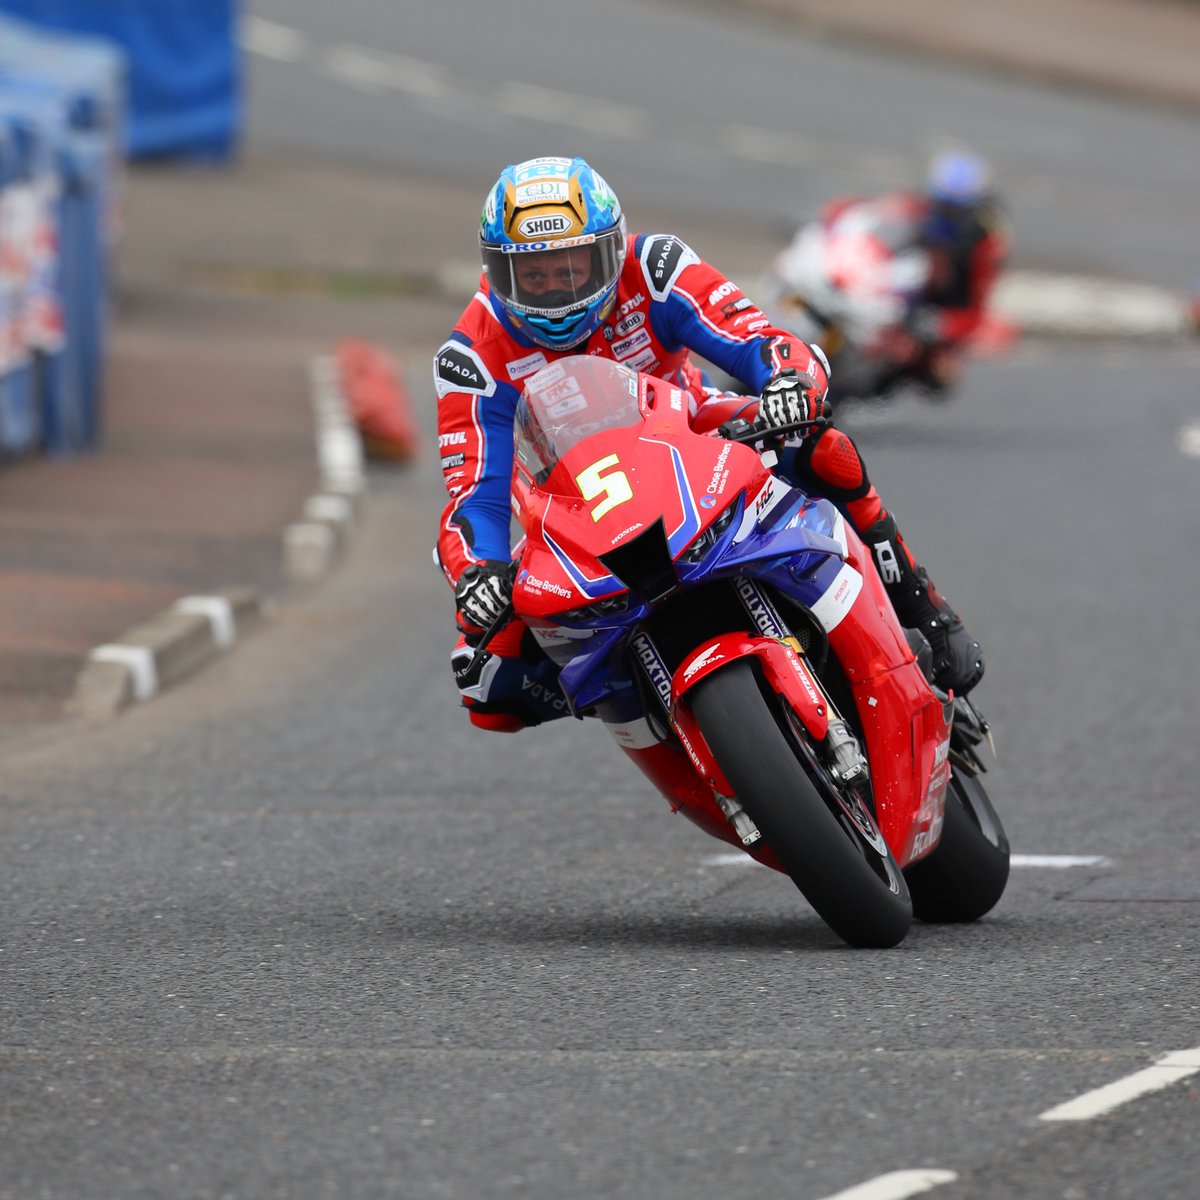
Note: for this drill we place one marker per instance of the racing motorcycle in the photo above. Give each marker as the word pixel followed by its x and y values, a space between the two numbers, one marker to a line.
pixel 734 637
pixel 851 284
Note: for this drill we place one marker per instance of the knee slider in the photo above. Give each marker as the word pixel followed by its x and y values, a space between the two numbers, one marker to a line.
pixel 835 461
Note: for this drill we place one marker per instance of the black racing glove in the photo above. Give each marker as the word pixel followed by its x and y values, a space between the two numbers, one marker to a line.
pixel 790 397
pixel 483 591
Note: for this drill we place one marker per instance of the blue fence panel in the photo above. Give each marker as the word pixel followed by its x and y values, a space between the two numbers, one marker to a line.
pixel 60 105
pixel 185 85
pixel 19 428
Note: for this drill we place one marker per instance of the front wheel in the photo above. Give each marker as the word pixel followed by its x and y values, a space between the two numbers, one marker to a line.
pixel 966 873
pixel 824 836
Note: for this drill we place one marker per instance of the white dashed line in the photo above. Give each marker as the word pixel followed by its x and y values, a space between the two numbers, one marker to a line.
pixel 1056 861
pixel 1188 440
pixel 269 40
pixel 896 1185
pixel 567 108
pixel 1059 861
pixel 1169 1069
pixel 376 71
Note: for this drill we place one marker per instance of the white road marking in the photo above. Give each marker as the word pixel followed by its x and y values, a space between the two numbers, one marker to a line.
pixel 376 71
pixel 1169 1069
pixel 1080 304
pixel 570 109
pixel 1059 860
pixel 772 146
pixel 1188 440
pixel 734 859
pixel 269 40
pixel 896 1185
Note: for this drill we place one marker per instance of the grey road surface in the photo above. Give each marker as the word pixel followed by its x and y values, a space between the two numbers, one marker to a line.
pixel 703 107
pixel 294 930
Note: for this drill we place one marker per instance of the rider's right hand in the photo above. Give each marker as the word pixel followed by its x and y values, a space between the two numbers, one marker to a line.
pixel 482 593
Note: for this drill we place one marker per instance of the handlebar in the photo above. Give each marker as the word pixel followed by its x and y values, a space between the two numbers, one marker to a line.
pixel 741 430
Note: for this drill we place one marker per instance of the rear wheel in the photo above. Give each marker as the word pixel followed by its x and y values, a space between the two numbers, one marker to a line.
pixel 823 834
pixel 966 874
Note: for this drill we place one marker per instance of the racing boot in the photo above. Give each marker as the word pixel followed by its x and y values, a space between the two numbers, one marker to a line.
pixel 957 658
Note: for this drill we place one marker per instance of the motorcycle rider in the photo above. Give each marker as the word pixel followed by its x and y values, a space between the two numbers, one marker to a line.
pixel 562 276
pixel 956 221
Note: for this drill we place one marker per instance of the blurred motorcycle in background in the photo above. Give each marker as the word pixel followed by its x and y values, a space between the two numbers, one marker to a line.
pixel 895 288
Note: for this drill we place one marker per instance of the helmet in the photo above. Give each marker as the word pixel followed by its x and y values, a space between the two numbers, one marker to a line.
pixel 959 186
pixel 552 236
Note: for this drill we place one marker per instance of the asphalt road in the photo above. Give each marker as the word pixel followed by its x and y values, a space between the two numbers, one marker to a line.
pixel 704 108
pixel 295 930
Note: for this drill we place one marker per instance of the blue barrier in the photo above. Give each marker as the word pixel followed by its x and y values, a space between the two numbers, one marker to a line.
pixel 19 428
pixel 185 79
pixel 60 114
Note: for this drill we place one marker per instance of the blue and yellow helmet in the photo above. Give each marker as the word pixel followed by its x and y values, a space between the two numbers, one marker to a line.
pixel 552 236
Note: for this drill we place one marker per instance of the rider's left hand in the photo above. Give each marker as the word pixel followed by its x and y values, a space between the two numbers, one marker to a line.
pixel 790 398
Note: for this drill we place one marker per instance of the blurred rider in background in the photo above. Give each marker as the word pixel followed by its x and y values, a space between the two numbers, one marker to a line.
pixel 953 228
pixel 562 276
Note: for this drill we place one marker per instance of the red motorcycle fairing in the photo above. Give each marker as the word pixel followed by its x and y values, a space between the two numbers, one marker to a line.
pixel 905 724
pixel 655 469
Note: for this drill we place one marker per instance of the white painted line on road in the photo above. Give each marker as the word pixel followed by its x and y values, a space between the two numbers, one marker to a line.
pixel 896 1185
pixel 775 147
pixel 1059 860
pixel 1079 304
pixel 567 108
pixel 269 40
pixel 1188 440
pixel 1169 1069
pixel 139 660
pixel 219 612
pixel 377 71
pixel 734 859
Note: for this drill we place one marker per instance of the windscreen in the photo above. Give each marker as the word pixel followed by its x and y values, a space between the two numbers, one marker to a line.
pixel 568 401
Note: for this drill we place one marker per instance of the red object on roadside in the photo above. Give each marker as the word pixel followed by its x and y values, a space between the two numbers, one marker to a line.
pixel 994 335
pixel 373 387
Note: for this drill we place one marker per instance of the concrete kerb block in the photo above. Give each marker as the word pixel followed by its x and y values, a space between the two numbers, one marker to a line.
pixel 313 544
pixel 170 646
pixel 310 549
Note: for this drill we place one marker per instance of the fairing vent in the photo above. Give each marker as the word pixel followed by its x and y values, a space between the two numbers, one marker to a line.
pixel 643 564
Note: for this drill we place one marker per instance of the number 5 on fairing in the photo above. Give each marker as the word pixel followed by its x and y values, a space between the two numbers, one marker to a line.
pixel 614 486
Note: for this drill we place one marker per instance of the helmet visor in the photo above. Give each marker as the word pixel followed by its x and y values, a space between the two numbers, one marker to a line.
pixel 553 278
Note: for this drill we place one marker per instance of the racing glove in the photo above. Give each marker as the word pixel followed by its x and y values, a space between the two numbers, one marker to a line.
pixel 482 593
pixel 790 397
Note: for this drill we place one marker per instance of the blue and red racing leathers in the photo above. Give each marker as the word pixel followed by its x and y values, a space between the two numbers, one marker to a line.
pixel 668 302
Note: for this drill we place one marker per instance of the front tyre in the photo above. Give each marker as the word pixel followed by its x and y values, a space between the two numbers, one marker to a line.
pixel 966 873
pixel 826 841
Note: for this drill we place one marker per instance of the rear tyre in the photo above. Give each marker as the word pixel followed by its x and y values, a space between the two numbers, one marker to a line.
pixel 967 872
pixel 824 836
